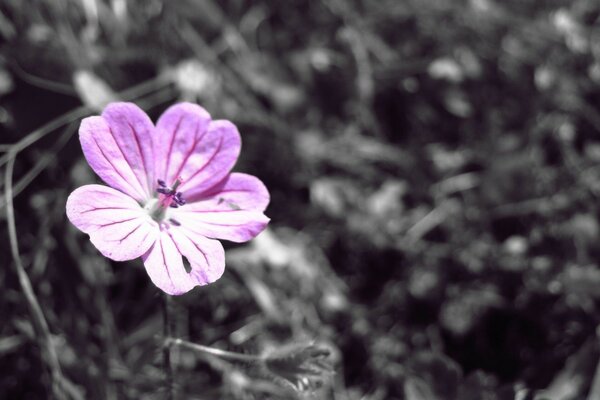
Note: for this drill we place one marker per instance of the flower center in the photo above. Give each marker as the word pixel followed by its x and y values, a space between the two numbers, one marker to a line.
pixel 168 197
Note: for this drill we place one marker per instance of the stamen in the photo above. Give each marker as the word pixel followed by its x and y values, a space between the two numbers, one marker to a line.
pixel 174 222
pixel 178 182
pixel 169 197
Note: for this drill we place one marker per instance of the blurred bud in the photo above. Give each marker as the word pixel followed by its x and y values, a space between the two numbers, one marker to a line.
pixel 457 103
pixel 460 314
pixel 92 90
pixel 387 200
pixel 446 159
pixel 334 196
pixel 469 62
pixel 195 80
pixel 272 250
pixel 320 59
pixel 581 281
pixel 594 72
pixel 299 367
pixel 40 33
pixel 585 226
pixel 424 284
pixel 564 22
pixel 544 77
pixel 119 9
pixel 6 82
pixel 410 84
pixel 516 245
pixel 592 151
pixel 446 68
pixel 572 31
pixel 567 131
pixel 482 6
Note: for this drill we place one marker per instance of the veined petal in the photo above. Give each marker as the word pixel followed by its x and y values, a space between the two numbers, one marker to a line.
pixel 107 159
pixel 238 192
pixel 179 131
pixel 207 160
pixel 117 225
pixel 229 224
pixel 164 265
pixel 132 132
pixel 206 256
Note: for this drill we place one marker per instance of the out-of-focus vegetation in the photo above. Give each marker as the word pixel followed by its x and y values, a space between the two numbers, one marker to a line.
pixel 435 181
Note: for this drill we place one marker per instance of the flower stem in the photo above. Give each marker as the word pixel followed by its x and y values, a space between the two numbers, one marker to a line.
pixel 169 373
pixel 37 315
pixel 223 354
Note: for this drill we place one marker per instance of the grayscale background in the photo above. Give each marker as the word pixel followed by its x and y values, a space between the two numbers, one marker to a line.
pixel 434 168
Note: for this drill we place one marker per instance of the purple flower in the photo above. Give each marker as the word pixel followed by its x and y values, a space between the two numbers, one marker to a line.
pixel 172 192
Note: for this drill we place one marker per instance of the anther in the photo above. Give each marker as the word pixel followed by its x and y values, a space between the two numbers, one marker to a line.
pixel 170 197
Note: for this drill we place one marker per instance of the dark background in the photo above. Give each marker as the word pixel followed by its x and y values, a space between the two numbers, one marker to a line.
pixel 435 181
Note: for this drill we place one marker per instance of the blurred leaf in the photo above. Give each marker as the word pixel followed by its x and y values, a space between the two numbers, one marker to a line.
pixel 417 389
pixel 572 381
pixel 93 91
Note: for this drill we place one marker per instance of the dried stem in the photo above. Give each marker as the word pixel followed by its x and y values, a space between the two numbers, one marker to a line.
pixel 595 389
pixel 40 323
pixel 227 355
pixel 41 164
pixel 60 385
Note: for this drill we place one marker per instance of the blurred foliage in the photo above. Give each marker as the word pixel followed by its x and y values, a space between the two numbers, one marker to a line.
pixel 434 176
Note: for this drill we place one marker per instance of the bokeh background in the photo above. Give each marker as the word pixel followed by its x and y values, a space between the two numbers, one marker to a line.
pixel 435 181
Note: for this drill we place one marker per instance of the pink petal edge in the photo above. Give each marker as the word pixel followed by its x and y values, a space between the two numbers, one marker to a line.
pixel 234 225
pixel 237 191
pixel 164 262
pixel 133 131
pixel 117 225
pixel 210 160
pixel 178 131
pixel 106 158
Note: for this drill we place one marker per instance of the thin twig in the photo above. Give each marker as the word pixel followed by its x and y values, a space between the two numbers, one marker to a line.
pixel 224 354
pixel 41 164
pixel 132 93
pixel 47 84
pixel 40 323
pixel 39 133
pixel 594 393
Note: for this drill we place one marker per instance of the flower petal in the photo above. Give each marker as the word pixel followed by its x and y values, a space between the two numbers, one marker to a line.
pixel 207 159
pixel 165 267
pixel 228 224
pixel 106 157
pixel 206 256
pixel 178 132
pixel 117 225
pixel 237 191
pixel 132 132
